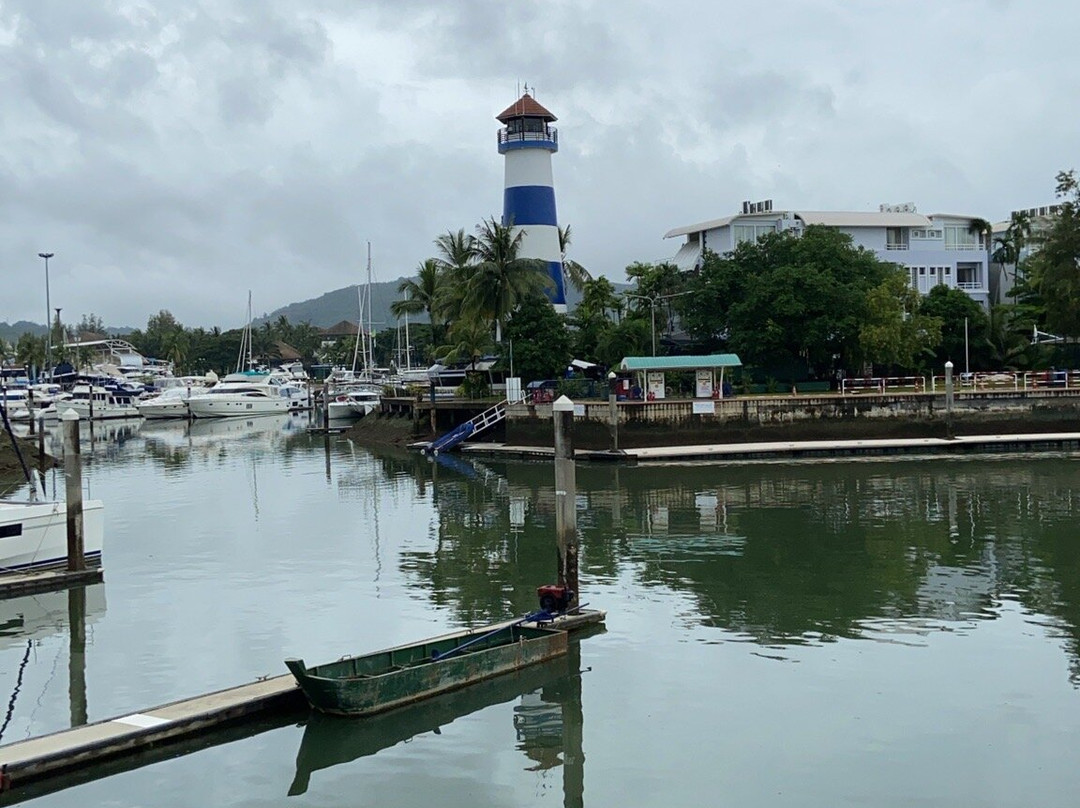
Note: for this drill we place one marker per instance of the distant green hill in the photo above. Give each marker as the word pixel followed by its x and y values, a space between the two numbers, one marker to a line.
pixel 11 332
pixel 343 304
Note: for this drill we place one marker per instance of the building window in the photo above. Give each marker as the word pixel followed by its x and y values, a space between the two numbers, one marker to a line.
pixel 959 237
pixel 751 232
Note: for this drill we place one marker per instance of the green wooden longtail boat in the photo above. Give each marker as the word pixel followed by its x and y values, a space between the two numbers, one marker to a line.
pixel 362 685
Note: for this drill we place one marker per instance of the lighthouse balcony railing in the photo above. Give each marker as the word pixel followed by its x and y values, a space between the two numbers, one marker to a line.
pixel 551 135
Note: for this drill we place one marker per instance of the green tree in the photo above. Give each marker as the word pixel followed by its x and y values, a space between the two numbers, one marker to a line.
pixel 539 339
pixel 895 331
pixel 90 323
pixel 786 301
pixel 30 350
pixel 1054 269
pixel 573 273
pixel 456 260
pixel 469 341
pixel 425 294
pixel 631 337
pixel 956 310
pixel 592 317
pixel 1009 246
pixel 500 279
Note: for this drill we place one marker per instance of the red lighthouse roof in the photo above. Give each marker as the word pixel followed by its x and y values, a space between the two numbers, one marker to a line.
pixel 525 107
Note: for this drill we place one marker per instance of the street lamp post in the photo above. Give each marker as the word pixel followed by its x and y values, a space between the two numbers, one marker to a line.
pixel 653 300
pixel 48 315
pixel 59 331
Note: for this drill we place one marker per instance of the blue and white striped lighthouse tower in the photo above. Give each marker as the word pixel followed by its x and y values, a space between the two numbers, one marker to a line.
pixel 527 141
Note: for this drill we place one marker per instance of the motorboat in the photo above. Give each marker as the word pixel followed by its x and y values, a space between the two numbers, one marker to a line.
pixel 352 403
pixel 33 534
pixel 249 393
pixel 170 403
pixel 96 402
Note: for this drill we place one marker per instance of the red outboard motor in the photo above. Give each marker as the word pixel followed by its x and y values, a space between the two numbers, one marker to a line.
pixel 554 598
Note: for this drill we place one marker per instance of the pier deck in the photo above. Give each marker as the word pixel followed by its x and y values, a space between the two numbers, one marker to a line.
pixel 738 452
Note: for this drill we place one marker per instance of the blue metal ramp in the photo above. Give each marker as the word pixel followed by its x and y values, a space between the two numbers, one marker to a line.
pixel 474 426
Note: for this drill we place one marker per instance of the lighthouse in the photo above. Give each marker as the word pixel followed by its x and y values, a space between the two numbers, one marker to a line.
pixel 527 141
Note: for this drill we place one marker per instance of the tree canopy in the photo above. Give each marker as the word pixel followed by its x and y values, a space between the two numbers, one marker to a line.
pixel 792 301
pixel 1054 270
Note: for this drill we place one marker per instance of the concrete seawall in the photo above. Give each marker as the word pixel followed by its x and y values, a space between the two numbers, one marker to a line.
pixel 802 418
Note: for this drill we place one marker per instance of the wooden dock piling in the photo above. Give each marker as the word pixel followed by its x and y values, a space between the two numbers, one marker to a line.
pixel 562 411
pixel 76 561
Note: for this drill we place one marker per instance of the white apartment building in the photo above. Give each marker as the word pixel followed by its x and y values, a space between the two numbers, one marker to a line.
pixel 936 249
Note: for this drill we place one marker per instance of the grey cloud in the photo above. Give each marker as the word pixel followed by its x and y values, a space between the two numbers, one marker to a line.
pixel 175 154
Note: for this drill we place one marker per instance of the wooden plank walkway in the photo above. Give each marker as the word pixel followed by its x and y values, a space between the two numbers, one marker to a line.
pixel 28 762
pixel 967 444
pixel 17 584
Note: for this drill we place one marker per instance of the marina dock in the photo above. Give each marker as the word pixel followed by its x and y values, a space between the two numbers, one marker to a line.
pixel 61 754
pixel 17 584
pixel 797 450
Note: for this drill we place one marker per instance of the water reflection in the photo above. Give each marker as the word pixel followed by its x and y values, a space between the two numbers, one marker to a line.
pixel 548 697
pixel 32 623
pixel 777 554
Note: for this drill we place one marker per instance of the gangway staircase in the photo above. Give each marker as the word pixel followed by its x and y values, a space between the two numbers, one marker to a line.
pixel 474 426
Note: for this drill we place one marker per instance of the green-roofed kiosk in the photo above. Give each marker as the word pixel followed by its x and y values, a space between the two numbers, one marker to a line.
pixel 651 370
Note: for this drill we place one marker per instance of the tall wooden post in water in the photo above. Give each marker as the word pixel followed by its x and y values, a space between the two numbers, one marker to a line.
pixel 948 399
pixel 76 560
pixel 562 412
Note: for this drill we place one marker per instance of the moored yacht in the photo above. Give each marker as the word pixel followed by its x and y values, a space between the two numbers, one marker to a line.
pixel 170 403
pixel 353 403
pixel 249 393
pixel 93 401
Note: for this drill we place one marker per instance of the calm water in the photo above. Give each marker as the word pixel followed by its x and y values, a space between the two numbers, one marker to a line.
pixel 875 633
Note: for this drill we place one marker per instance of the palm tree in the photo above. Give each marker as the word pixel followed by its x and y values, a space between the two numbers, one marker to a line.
pixel 574 273
pixel 469 340
pixel 984 229
pixel 424 295
pixel 500 280
pixel 456 258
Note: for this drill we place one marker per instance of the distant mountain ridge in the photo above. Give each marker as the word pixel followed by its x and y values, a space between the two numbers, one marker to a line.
pixel 344 304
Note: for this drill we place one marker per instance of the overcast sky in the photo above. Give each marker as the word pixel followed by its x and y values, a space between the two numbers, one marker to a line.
pixel 174 155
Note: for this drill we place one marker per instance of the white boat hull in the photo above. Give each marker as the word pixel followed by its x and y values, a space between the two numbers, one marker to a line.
pixel 172 409
pixel 33 535
pixel 101 411
pixel 221 406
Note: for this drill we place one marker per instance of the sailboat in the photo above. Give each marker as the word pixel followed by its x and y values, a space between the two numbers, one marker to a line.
pixel 354 395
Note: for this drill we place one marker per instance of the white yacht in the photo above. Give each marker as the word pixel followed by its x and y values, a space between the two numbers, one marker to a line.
pixel 249 393
pixel 170 403
pixel 353 403
pixel 92 401
pixel 33 534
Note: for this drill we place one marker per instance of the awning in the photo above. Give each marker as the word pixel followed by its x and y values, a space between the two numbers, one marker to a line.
pixel 712 361
pixel 688 256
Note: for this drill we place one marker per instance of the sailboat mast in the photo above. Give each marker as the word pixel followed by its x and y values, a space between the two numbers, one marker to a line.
pixel 250 364
pixel 371 336
pixel 359 327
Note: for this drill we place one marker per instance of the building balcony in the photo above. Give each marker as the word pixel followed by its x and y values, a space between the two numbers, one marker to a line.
pixel 549 140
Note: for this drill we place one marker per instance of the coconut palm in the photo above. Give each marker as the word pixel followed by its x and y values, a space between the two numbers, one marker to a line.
pixel 456 258
pixel 469 339
pixel 984 229
pixel 500 279
pixel 573 272
pixel 424 295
